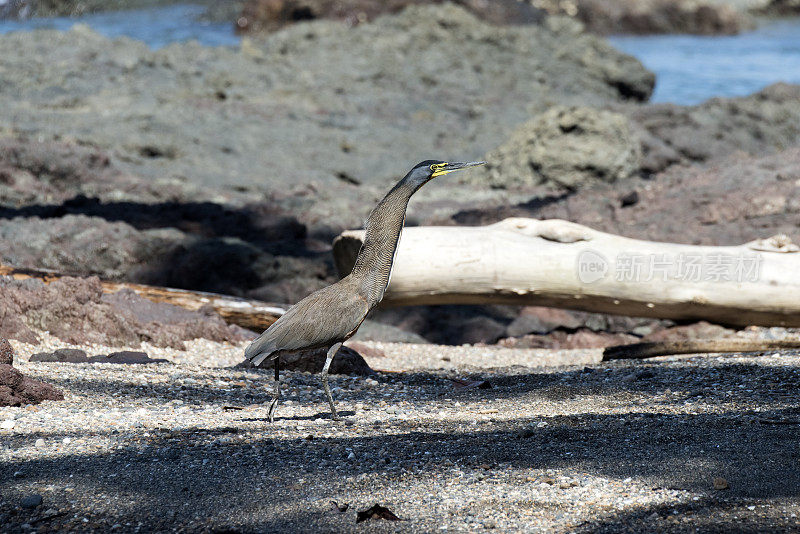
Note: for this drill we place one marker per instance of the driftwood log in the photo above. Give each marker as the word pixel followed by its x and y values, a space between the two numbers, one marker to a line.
pixel 251 314
pixel 566 265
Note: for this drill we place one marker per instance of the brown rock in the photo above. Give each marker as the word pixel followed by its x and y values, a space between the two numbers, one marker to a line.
pixel 34 391
pixel 16 389
pixel 13 327
pixel 76 311
pixel 559 339
pixel 699 330
pixel 6 352
pixel 270 15
pixel 653 16
pixel 10 377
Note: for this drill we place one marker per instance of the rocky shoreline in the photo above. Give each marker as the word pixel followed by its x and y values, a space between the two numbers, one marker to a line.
pixel 231 169
pixel 187 156
pixel 603 17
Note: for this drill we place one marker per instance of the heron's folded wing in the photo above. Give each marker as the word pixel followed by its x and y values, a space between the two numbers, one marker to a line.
pixel 323 318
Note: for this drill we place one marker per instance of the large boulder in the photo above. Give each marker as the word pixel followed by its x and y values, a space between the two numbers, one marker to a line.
pixel 764 122
pixel 76 311
pixel 566 147
pixel 371 100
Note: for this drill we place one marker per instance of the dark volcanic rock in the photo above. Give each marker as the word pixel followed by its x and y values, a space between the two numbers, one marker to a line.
pixel 765 122
pixel 76 311
pixel 16 389
pixel 83 245
pixel 79 356
pixel 346 362
pixel 61 356
pixel 450 325
pixel 731 202
pixel 77 244
pixel 126 357
pixel 260 15
pixel 31 501
pixel 581 339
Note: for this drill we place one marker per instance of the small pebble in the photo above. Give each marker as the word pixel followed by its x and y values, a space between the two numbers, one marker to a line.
pixel 39 443
pixel 8 424
pixel 31 501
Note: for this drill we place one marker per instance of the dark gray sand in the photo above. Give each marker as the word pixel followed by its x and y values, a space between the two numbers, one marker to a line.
pixel 575 446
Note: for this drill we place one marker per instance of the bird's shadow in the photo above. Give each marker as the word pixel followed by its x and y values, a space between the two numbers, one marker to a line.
pixel 320 415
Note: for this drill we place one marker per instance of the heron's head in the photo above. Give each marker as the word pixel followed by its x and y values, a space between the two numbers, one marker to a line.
pixel 429 169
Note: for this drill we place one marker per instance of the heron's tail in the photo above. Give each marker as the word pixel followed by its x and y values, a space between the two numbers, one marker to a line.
pixel 259 350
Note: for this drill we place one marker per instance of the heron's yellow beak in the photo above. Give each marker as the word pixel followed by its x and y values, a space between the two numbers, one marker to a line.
pixel 444 168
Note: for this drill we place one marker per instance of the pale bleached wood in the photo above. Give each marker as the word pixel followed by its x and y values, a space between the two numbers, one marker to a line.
pixel 534 262
pixel 247 313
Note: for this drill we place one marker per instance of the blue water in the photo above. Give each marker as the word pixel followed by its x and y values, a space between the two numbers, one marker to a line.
pixel 157 26
pixel 689 69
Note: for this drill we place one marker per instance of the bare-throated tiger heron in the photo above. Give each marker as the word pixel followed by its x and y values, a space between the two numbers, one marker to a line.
pixel 328 317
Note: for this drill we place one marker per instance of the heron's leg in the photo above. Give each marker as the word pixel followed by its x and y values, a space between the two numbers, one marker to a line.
pixel 331 353
pixel 277 396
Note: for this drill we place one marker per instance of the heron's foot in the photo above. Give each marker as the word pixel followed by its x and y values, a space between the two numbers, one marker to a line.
pixel 334 414
pixel 272 407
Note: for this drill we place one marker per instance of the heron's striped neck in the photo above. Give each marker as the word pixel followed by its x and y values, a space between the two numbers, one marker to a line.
pixel 373 266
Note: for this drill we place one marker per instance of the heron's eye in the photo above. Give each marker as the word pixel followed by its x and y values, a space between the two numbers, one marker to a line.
pixel 436 166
